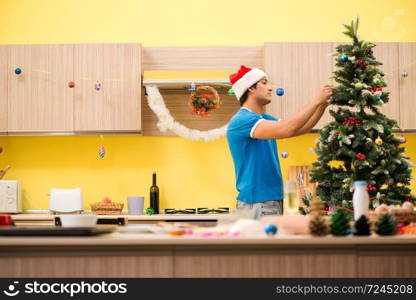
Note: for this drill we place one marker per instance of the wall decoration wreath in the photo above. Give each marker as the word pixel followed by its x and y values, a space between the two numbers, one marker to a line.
pixel 203 100
pixel 167 122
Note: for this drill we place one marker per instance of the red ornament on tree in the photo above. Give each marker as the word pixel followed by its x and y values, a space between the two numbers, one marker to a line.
pixel 352 121
pixel 361 63
pixel 371 188
pixel 377 88
pixel 360 156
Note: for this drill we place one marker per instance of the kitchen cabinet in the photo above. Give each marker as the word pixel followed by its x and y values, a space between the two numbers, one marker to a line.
pixel 105 95
pixel 3 89
pixel 300 69
pixel 388 54
pixel 107 92
pixel 39 99
pixel 407 80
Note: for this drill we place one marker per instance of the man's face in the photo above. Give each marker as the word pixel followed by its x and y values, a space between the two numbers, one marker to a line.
pixel 263 92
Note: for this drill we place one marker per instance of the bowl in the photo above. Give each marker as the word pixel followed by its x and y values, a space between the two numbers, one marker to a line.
pixel 78 220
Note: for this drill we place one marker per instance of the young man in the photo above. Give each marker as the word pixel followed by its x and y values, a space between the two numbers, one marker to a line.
pixel 251 136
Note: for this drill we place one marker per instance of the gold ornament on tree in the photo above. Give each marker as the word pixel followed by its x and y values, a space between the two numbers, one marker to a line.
pixel 379 141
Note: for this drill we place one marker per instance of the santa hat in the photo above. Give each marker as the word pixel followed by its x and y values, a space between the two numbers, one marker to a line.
pixel 244 79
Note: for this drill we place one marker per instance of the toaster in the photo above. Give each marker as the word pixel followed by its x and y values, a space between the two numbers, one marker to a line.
pixel 10 196
pixel 65 200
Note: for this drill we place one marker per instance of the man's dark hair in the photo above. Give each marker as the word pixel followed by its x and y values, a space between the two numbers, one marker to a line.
pixel 244 97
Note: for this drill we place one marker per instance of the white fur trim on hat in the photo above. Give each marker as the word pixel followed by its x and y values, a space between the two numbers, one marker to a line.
pixel 245 82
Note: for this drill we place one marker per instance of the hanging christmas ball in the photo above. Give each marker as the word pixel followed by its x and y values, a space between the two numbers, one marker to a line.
pixel 339 138
pixel 343 58
pixel 388 131
pixel 280 92
pixel 101 152
pixel 17 71
pixel 379 141
pixel 358 86
pixel 270 229
pixel 376 81
pixel 231 92
pixel 284 154
pixel 360 156
pixel 71 84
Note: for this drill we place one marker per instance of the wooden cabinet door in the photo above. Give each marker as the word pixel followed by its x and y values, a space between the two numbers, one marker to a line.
pixel 3 88
pixel 300 69
pixel 407 85
pixel 388 54
pixel 115 106
pixel 39 98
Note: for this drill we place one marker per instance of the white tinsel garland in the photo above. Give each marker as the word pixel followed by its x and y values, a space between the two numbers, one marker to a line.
pixel 167 122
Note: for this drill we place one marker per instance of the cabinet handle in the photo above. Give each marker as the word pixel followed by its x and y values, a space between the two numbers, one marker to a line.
pixel 405 74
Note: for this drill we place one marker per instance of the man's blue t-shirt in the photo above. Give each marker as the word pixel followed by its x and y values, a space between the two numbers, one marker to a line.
pixel 257 167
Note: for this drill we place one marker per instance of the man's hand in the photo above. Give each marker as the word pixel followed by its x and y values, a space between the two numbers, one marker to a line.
pixel 324 93
pixel 300 122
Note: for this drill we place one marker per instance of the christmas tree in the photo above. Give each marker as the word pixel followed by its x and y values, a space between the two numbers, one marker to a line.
pixel 360 144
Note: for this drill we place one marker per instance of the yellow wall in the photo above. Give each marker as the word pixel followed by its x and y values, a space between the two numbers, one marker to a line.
pixel 191 174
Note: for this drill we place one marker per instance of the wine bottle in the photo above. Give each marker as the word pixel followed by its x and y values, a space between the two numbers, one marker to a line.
pixel 154 196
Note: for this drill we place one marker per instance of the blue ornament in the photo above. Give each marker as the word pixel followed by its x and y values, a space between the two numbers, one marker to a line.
pixel 378 98
pixel 270 229
pixel 17 71
pixel 343 58
pixel 280 92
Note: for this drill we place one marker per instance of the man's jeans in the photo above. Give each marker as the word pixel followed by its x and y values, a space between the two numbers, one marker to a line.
pixel 261 209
